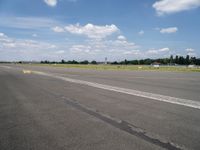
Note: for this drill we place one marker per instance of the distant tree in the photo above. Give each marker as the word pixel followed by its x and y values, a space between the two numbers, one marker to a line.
pixel 198 61
pixel 176 60
pixel 171 59
pixel 181 60
pixel 93 62
pixel 46 62
pixel 115 63
pixel 85 62
pixel 193 60
pixel 125 62
pixel 147 61
pixel 141 62
pixel 62 61
pixel 134 62
pixel 165 61
pixel 187 60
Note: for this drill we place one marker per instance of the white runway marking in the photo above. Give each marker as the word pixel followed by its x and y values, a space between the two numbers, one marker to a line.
pixel 7 67
pixel 158 97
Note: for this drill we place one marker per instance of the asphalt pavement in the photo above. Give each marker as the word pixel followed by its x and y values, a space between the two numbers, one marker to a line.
pixel 70 109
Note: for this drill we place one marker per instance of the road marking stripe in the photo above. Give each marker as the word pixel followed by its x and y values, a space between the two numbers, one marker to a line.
pixel 7 67
pixel 27 71
pixel 158 97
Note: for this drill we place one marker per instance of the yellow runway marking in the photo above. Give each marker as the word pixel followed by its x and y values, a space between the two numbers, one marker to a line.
pixel 27 71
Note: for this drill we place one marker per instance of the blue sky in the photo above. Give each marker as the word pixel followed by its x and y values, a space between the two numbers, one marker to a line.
pixel 95 29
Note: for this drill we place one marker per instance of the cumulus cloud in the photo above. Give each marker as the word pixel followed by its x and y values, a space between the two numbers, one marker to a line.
pixel 24 49
pixel 163 7
pixel 2 35
pixel 166 49
pixel 132 52
pixel 27 22
pixel 141 32
pixel 58 29
pixel 121 37
pixel 169 30
pixel 158 51
pixel 51 3
pixel 192 54
pixel 92 31
pixel 60 52
pixel 109 47
pixel 83 49
pixel 189 50
pixel 99 49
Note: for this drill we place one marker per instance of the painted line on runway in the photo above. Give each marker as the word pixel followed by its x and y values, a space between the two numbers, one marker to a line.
pixel 157 97
pixel 7 67
pixel 27 71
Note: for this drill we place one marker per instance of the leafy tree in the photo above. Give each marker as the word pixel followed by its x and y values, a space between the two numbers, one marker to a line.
pixel 193 60
pixel 171 59
pixel 147 61
pixel 84 62
pixel 181 60
pixel 93 62
pixel 176 60
pixel 62 61
pixel 187 60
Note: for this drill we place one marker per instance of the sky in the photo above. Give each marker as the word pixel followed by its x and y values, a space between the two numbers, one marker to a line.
pixel 35 30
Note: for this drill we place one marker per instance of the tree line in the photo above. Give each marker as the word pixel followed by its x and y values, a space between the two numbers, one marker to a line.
pixel 177 60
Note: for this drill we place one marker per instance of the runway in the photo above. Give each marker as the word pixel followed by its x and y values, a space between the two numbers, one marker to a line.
pixel 61 108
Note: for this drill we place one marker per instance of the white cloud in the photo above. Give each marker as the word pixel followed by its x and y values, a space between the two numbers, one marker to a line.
pixel 60 52
pixel 192 54
pixel 166 49
pixel 92 31
pixel 152 51
pixel 58 29
pixel 25 49
pixel 169 30
pixel 82 49
pixel 2 35
pixel 163 7
pixel 132 52
pixel 158 51
pixel 121 37
pixel 141 32
pixel 189 50
pixel 98 49
pixel 9 45
pixel 51 3
pixel 27 22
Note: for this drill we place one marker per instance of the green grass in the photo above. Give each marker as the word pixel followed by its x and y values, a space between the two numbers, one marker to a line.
pixel 125 67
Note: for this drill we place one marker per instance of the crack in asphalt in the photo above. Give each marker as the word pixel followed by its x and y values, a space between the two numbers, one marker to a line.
pixel 122 125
